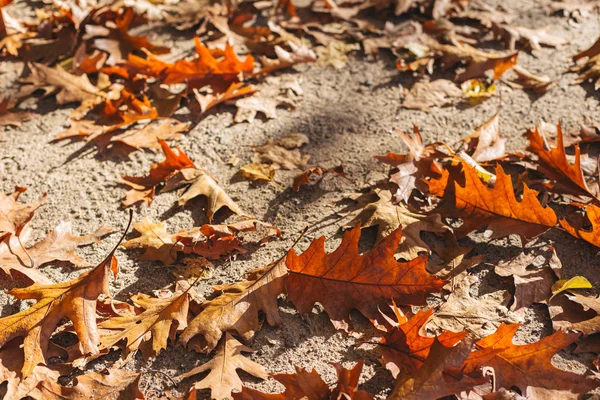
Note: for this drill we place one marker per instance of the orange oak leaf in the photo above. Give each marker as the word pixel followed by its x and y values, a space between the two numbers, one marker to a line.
pixel 553 163
pixel 497 207
pixel 346 280
pixel 235 91
pixel 236 309
pixel 591 236
pixel 201 71
pixel 309 385
pixel 75 300
pixel 529 366
pixel 405 349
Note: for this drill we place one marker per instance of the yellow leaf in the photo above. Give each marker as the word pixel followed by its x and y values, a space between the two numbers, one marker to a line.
pixel 577 282
pixel 256 172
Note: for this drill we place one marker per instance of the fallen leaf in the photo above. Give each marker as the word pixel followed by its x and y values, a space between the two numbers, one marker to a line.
pixel 424 95
pixel 575 312
pixel 282 157
pixel 590 69
pixel 530 38
pixel 235 91
pixel 237 307
pixel 303 178
pixel 223 379
pixel 13 118
pixel 591 236
pixel 529 366
pixel 258 172
pixel 299 54
pixel 553 163
pixel 478 315
pixel 520 78
pixel 14 215
pixel 161 319
pixel 276 92
pixel 497 207
pixel 577 282
pixel 533 274
pixel 150 136
pixel 346 280
pixel 335 53
pixel 404 350
pixel 485 143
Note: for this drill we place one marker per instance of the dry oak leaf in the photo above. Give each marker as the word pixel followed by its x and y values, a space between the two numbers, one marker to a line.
pixel 143 188
pixel 118 43
pixel 149 136
pixel 148 331
pixel 201 71
pixel 424 95
pixel 258 172
pixel 110 384
pixel 75 300
pixel 211 100
pixel 590 69
pixel 223 379
pixel 480 316
pixel 404 349
pixel 236 308
pixel 553 163
pixel 388 217
pixel 284 157
pixel 414 166
pixel 529 366
pixel 591 236
pixel 275 92
pixel 485 144
pixel 58 246
pixel 299 54
pixel 520 78
pixel 13 118
pixel 533 274
pixel 210 241
pixel 439 376
pixel 345 280
pixel 14 215
pixel 497 207
pixel 574 311
pixel 68 88
pixel 310 386
pixel 530 38
pixel 303 178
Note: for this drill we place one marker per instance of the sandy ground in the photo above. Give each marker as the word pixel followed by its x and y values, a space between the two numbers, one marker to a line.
pixel 347 114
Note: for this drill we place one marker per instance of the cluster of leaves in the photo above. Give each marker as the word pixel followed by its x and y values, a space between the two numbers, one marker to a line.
pixel 128 96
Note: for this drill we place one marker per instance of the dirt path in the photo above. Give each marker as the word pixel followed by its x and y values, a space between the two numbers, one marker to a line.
pixel 347 114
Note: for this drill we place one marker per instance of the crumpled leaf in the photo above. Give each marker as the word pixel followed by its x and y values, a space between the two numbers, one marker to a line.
pixel 553 163
pixel 211 100
pixel 278 91
pixel 148 331
pixel 520 78
pixel 303 177
pixel 403 349
pixel 424 95
pixel 480 316
pixel 237 307
pixel 389 217
pixel 485 143
pixel 529 366
pixel 590 69
pixel 591 236
pixel 530 38
pixel 533 274
pixel 258 172
pixel 13 215
pixel 335 53
pixel 223 379
pixel 150 136
pixel 299 54
pixel 13 118
pixel 346 280
pixel 497 207
pixel 75 300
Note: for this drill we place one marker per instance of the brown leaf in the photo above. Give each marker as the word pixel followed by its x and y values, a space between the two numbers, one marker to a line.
pixel 530 38
pixel 497 207
pixel 533 274
pixel 237 307
pixel 69 88
pixel 235 91
pixel 424 95
pixel 299 54
pixel 553 163
pixel 75 300
pixel 575 312
pixel 346 280
pixel 223 378
pixel 438 376
pixel 110 384
pixel 529 366
pixel 150 136
pixel 591 236
pixel 258 172
pixel 284 157
pixel 404 349
pixel 520 78
pixel 13 118
pixel 276 92
pixel 388 217
pixel 13 215
pixel 485 144
pixel 161 319
pixel 478 315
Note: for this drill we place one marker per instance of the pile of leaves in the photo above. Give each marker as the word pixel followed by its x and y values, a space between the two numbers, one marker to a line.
pixel 433 336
